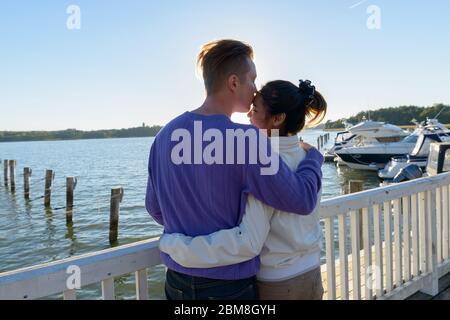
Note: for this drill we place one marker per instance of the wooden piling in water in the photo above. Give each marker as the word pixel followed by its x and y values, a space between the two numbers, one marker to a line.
pixel 5 171
pixel 26 182
pixel 49 176
pixel 355 186
pixel 116 199
pixel 71 183
pixel 12 174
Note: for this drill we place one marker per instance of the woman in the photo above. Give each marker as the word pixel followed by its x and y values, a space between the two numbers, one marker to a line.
pixel 288 244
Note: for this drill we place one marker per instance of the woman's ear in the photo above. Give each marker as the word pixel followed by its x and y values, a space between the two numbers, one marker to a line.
pixel 279 119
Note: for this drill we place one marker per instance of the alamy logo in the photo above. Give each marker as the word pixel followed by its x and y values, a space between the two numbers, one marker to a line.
pixel 74 20
pixel 374 15
pixel 240 146
pixel 374 20
pixel 373 277
pixel 74 279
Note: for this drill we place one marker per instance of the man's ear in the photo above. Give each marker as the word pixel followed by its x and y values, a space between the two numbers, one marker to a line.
pixel 233 82
pixel 279 119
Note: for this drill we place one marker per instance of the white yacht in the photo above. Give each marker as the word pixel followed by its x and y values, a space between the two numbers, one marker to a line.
pixel 367 132
pixel 378 139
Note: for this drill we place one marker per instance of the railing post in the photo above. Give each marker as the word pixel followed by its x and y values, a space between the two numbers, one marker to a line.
pixel 367 241
pixel 108 289
pixel 355 186
pixel 406 210
pixel 343 257
pixel 422 233
pixel 445 222
pixel 70 295
pixel 432 286
pixel 141 284
pixel 378 239
pixel 439 223
pixel 388 245
pixel 415 236
pixel 331 271
pixel 356 250
pixel 398 262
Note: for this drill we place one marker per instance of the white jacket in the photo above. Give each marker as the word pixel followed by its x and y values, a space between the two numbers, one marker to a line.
pixel 288 244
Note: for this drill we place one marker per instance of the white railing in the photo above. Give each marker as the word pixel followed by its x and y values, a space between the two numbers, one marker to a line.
pixel 405 246
pixel 99 267
pixel 405 229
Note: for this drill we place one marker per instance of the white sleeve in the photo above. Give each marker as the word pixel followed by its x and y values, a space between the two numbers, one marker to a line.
pixel 224 247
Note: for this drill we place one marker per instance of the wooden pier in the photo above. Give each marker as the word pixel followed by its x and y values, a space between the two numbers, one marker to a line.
pixel 405 227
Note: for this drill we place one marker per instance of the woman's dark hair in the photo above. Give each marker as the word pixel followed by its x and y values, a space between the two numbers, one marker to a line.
pixel 298 103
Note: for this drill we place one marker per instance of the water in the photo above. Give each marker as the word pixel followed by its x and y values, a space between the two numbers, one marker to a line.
pixel 31 234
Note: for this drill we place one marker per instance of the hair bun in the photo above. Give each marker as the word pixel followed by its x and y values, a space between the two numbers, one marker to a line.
pixel 308 90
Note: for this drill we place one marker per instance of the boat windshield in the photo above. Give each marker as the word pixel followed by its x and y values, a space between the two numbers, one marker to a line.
pixel 388 139
pixel 343 136
pixel 411 139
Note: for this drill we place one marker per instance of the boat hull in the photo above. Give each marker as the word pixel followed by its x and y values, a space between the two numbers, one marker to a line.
pixel 372 162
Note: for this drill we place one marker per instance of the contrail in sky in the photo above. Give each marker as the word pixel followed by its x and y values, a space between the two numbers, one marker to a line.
pixel 357 4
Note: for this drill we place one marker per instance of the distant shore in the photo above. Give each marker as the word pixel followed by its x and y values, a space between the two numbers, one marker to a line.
pixel 409 127
pixel 73 134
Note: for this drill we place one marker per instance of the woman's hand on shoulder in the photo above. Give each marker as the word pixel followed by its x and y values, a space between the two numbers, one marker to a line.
pixel 305 146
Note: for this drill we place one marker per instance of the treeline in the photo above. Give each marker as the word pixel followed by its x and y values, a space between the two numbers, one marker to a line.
pixel 73 134
pixel 400 116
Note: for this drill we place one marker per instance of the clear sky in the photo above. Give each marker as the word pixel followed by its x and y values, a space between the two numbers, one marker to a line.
pixel 133 61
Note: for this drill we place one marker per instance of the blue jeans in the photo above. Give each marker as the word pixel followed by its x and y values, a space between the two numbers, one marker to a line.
pixel 184 287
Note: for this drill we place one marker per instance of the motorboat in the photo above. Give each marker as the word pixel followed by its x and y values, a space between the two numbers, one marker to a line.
pixel 368 132
pixel 375 156
pixel 438 162
pixel 365 133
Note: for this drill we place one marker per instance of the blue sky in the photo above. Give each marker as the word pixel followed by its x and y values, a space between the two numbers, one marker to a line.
pixel 134 61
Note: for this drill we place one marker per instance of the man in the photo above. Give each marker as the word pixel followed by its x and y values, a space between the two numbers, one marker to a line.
pixel 195 196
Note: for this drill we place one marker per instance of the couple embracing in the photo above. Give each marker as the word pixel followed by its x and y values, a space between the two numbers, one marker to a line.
pixel 235 228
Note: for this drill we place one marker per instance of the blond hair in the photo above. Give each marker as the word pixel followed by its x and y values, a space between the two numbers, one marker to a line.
pixel 219 59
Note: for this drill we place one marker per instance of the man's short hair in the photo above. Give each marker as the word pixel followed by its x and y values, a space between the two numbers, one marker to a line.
pixel 219 59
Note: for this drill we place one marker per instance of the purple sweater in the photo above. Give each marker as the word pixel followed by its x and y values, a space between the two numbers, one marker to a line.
pixel 199 199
